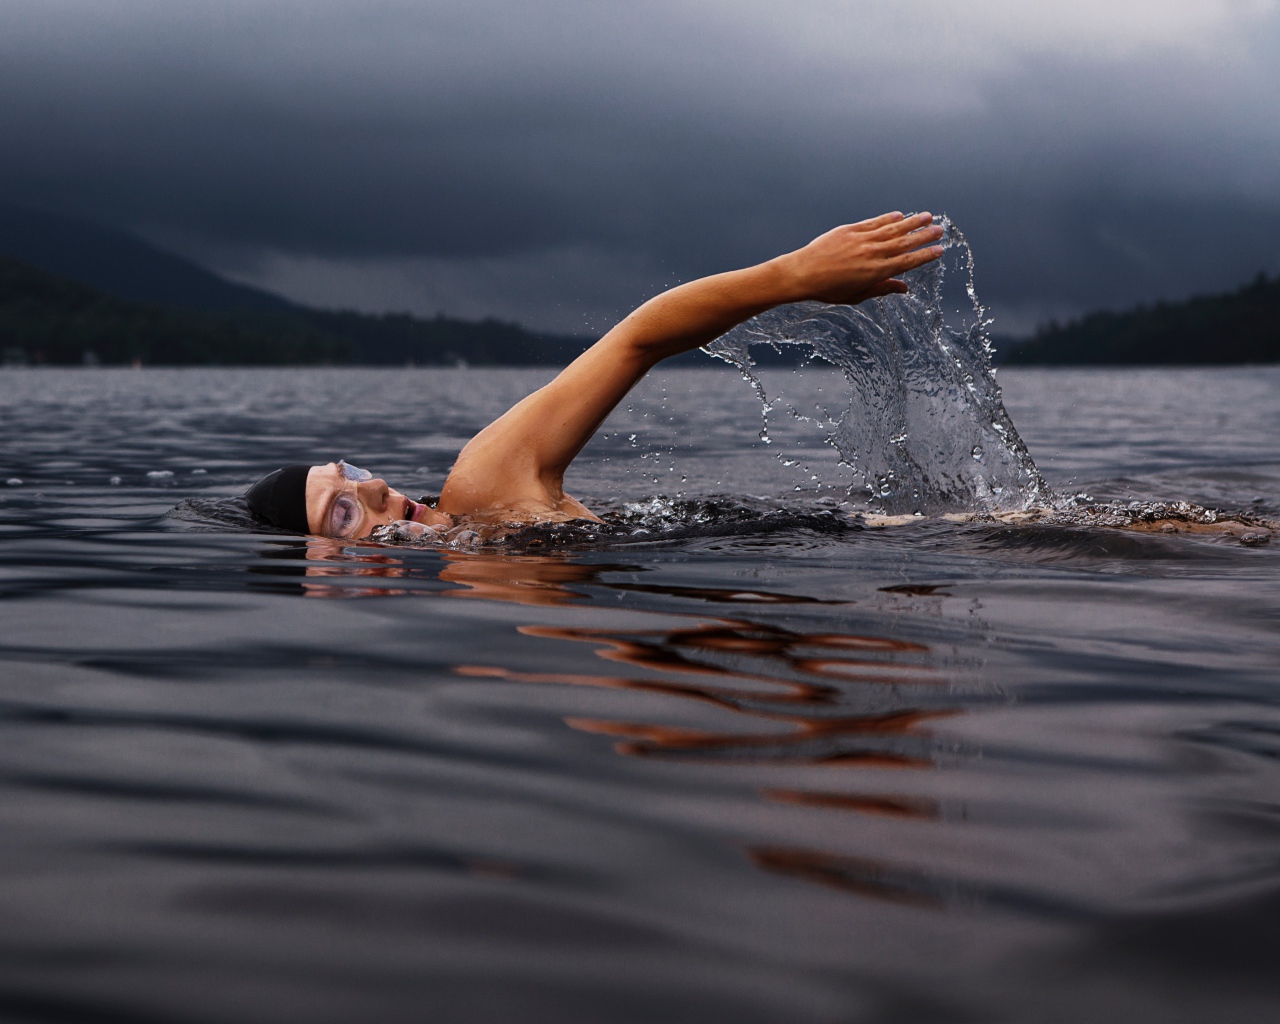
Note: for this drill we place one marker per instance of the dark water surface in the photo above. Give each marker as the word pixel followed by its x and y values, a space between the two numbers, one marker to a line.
pixel 743 767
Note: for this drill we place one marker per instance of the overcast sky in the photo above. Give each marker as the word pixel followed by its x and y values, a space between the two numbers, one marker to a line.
pixel 555 161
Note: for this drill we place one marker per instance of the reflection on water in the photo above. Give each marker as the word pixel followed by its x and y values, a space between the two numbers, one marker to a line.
pixel 892 806
pixel 530 580
pixel 804 685
pixel 781 677
pixel 853 875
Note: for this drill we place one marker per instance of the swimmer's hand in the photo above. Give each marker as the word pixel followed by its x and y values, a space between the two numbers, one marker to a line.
pixel 856 262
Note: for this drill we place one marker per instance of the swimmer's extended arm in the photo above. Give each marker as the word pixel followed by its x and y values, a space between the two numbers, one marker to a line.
pixel 522 456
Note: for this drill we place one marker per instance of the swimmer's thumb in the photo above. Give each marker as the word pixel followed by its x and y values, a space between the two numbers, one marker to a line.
pixel 893 286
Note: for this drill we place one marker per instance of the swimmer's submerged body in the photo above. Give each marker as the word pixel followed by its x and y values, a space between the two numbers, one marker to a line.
pixel 513 470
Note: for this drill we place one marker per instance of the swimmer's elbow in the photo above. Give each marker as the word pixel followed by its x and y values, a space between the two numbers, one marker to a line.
pixel 693 314
pixel 628 346
pixel 643 339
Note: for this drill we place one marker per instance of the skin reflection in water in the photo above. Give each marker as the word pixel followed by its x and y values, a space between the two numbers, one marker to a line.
pixel 769 687
pixel 801 685
pixel 539 581
pixel 330 563
pixel 535 580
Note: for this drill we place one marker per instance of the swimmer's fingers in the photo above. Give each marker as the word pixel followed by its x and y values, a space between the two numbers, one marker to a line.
pixel 885 220
pixel 911 240
pixel 883 228
pixel 911 260
pixel 893 286
pixel 900 227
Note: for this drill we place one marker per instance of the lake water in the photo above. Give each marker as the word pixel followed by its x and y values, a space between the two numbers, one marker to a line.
pixel 755 765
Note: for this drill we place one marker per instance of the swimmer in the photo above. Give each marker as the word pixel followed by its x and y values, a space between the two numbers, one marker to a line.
pixel 513 470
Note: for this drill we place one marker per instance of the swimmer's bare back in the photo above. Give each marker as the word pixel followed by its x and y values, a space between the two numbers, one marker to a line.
pixel 514 468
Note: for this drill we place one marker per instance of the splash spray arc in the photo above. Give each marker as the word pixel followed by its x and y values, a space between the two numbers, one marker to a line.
pixel 924 428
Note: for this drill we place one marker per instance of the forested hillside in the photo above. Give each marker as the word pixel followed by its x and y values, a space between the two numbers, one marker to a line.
pixel 46 319
pixel 1240 327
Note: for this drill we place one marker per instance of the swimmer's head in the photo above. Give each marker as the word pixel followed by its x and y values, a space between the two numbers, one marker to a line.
pixel 333 500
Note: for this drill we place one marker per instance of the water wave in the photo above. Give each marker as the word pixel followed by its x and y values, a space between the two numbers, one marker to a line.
pixel 654 520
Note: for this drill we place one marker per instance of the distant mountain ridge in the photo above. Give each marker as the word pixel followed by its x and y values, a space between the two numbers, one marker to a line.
pixel 1238 327
pixel 72 291
pixel 121 264
pixel 45 319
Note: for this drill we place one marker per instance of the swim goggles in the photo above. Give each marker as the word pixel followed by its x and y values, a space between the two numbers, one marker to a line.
pixel 353 472
pixel 345 514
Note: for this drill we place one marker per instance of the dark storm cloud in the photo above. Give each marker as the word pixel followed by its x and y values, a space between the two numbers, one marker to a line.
pixel 1091 162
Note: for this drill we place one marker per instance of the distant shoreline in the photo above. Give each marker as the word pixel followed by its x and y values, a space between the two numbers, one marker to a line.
pixel 73 293
pixel 1239 328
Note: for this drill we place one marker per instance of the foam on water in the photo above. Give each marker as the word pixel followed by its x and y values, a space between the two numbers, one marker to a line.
pixel 924 427
pixel 655 520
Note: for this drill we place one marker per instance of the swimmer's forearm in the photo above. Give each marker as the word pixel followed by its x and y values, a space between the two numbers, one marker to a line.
pixel 848 264
pixel 693 314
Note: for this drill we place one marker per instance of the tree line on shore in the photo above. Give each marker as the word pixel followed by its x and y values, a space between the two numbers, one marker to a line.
pixel 47 319
pixel 1239 327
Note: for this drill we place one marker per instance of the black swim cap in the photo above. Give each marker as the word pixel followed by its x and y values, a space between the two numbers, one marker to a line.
pixel 280 498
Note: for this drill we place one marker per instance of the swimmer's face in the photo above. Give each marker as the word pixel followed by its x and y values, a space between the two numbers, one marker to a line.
pixel 346 502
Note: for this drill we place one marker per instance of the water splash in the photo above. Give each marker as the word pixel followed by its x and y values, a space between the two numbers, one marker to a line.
pixel 658 520
pixel 925 429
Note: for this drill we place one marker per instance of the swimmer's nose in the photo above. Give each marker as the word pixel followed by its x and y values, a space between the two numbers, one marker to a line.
pixel 374 493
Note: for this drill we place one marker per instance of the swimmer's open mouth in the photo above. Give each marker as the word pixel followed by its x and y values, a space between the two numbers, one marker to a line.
pixel 411 509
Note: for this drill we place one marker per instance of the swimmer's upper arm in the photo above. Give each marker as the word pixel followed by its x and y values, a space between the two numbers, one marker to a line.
pixel 524 453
